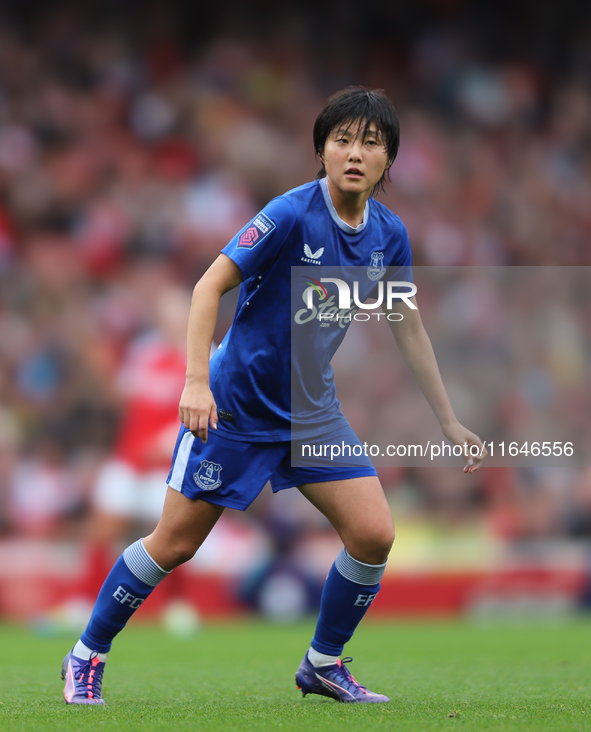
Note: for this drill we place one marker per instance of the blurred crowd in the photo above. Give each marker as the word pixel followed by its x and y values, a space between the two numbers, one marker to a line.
pixel 136 140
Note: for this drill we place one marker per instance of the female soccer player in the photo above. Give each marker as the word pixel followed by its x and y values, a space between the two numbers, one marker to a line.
pixel 236 410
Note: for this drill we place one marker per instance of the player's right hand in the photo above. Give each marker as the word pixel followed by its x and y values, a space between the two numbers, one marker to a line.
pixel 197 410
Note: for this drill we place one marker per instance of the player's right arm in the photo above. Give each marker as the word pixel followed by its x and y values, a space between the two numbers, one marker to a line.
pixel 197 408
pixel 251 251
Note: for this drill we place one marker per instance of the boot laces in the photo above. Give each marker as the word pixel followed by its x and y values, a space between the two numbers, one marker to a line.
pixel 347 676
pixel 91 675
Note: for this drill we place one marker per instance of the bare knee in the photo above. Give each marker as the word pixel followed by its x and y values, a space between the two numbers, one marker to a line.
pixel 182 551
pixel 184 526
pixel 170 552
pixel 373 546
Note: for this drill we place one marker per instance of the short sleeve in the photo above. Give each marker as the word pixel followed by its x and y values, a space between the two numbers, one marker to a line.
pixel 257 245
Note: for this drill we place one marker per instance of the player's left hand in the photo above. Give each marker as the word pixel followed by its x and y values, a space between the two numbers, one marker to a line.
pixel 457 434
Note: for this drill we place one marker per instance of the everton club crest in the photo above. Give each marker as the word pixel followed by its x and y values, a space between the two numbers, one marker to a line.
pixel 208 476
pixel 376 269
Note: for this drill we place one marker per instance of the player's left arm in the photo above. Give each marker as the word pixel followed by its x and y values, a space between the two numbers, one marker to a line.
pixel 416 349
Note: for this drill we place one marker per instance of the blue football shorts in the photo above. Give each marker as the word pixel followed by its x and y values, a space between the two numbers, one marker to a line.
pixel 233 473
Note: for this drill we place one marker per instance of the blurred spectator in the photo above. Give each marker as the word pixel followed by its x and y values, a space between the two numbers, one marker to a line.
pixel 128 496
pixel 134 142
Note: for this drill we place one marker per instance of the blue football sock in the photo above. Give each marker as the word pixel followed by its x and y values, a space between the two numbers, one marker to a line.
pixel 133 577
pixel 349 590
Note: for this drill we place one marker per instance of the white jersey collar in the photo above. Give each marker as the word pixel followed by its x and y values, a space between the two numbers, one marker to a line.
pixel 334 215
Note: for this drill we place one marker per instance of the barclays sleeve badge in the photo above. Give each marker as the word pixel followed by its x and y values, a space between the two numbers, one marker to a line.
pixel 260 227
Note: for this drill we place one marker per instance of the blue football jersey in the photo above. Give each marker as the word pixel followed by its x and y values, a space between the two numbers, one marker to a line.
pixel 263 380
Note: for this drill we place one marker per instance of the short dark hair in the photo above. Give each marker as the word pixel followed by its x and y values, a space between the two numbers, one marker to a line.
pixel 358 103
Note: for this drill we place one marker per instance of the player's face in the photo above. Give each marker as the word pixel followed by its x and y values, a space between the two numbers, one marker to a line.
pixel 355 162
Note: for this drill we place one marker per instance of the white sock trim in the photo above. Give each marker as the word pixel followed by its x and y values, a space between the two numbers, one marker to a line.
pixel 358 572
pixel 321 659
pixel 84 652
pixel 142 565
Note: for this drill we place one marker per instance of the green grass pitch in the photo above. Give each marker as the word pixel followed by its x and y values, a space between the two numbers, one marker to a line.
pixel 239 677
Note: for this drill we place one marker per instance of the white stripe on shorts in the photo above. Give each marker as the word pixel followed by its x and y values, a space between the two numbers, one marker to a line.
pixel 182 458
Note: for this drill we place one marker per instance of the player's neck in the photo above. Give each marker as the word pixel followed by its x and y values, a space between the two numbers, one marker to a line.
pixel 350 206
